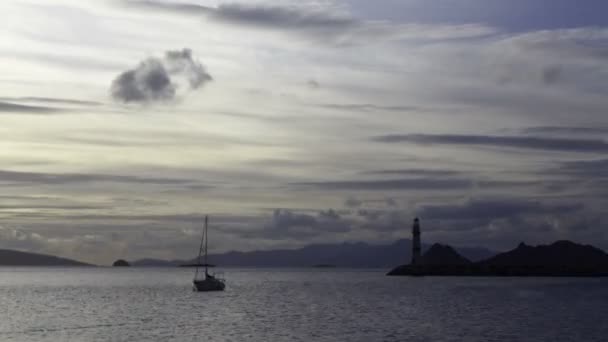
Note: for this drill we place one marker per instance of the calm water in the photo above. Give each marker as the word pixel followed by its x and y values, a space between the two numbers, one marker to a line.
pixel 105 304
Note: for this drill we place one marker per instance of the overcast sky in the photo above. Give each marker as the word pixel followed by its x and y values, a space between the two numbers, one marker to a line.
pixel 294 122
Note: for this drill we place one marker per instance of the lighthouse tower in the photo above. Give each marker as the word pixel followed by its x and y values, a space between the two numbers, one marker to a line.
pixel 416 242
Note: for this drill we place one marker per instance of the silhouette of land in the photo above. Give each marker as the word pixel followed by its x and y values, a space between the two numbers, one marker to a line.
pixel 17 258
pixel 121 263
pixel 560 259
pixel 344 255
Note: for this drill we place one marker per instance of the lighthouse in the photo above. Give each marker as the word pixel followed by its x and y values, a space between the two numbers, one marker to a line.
pixel 416 242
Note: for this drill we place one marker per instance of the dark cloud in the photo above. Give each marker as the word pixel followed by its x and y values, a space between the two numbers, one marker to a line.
pixel 51 100
pixel 181 61
pixel 67 178
pixel 321 22
pixel 18 108
pixel 313 84
pixel 535 143
pixel 565 130
pixel 291 17
pixel 552 74
pixel 435 182
pixel 183 8
pixel 289 224
pixel 352 202
pixel 259 15
pixel 494 209
pixel 148 82
pixel 367 107
pixel 393 184
pixel 414 172
pixel 384 220
pixel 585 169
pixel 151 80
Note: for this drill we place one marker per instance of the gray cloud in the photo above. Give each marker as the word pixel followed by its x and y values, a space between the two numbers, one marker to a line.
pixel 148 82
pixel 313 84
pixel 324 23
pixel 181 61
pixel 151 80
pixel 66 178
pixel 261 15
pixel 19 108
pixel 414 172
pixel 393 184
pixel 368 107
pixel 552 74
pixel 51 100
pixel 353 202
pixel 586 169
pixel 565 130
pixel 536 143
pixel 284 17
pixel 494 209
pixel 289 224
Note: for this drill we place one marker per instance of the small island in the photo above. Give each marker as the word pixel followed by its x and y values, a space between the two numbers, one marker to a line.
pixel 560 259
pixel 121 263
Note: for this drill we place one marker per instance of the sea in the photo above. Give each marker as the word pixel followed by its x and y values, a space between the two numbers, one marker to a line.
pixel 158 304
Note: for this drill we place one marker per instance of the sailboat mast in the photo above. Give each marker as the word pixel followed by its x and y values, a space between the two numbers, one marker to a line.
pixel 206 243
pixel 200 250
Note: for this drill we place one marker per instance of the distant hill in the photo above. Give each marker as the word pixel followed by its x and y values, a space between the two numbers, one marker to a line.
pixel 16 258
pixel 560 253
pixel 347 255
pixel 443 255
pixel 560 259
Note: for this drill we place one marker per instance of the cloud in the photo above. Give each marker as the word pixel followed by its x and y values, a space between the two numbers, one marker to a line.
pixel 151 80
pixel 535 143
pixel 368 107
pixel 52 100
pixel 67 178
pixel 353 202
pixel 287 223
pixel 586 169
pixel 552 74
pixel 384 220
pixel 414 172
pixel 323 22
pixel 182 62
pixel 83 247
pixel 313 84
pixel 494 209
pixel 565 130
pixel 393 184
pixel 290 17
pixel 8 107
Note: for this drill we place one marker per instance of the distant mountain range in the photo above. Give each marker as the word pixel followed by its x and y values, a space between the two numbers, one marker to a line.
pixel 348 255
pixel 16 258
pixel 562 259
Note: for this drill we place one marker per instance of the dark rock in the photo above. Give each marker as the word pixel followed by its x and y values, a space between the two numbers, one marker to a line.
pixel 121 263
pixel 443 255
pixel 560 259
pixel 17 258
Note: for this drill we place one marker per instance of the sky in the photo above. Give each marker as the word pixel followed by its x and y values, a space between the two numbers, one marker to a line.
pixel 125 122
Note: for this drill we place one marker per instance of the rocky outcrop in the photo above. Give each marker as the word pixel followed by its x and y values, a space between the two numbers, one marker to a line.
pixel 121 263
pixel 560 259
pixel 17 258
pixel 443 255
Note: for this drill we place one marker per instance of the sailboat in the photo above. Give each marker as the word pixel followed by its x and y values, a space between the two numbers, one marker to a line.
pixel 210 282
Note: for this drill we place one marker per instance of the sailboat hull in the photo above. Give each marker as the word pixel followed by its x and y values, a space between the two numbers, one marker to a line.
pixel 208 285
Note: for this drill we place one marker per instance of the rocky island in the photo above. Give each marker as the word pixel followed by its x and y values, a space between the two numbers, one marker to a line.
pixel 560 259
pixel 121 263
